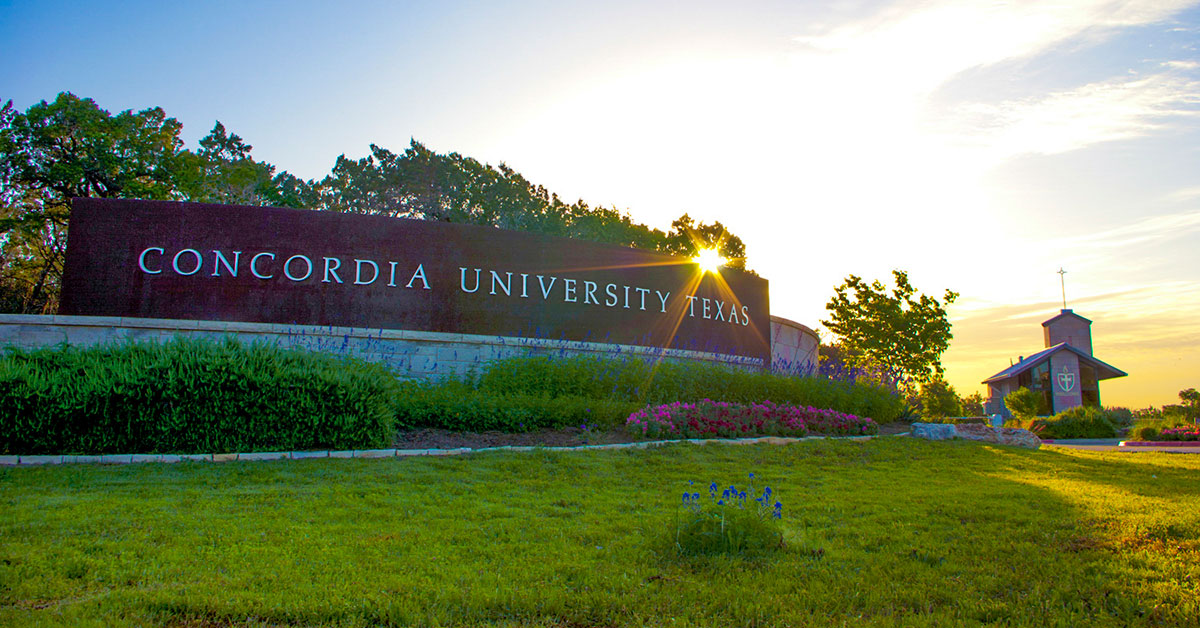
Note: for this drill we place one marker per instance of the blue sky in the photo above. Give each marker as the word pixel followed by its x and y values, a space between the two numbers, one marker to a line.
pixel 979 146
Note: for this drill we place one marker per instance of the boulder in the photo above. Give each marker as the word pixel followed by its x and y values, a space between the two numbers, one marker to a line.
pixel 1001 436
pixel 933 431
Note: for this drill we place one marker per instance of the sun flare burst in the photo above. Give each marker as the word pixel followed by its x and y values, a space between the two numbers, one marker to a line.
pixel 709 260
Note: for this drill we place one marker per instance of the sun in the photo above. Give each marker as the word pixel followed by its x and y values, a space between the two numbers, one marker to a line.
pixel 709 260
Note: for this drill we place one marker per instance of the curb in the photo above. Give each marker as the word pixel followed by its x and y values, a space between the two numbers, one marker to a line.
pixel 26 461
pixel 1159 443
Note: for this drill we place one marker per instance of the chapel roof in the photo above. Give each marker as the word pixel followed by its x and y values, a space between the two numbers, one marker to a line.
pixel 1103 370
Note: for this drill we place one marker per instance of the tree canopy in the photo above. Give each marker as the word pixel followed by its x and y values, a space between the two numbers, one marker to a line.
pixel 69 148
pixel 902 331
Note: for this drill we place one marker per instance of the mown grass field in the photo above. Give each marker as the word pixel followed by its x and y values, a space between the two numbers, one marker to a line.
pixel 889 532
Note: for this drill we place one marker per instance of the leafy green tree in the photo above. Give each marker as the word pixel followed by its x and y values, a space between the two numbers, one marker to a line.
pixel 903 331
pixel 223 171
pixel 420 183
pixel 69 148
pixel 938 399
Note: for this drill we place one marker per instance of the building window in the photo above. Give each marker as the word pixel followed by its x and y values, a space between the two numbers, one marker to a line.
pixel 1089 387
pixel 1037 379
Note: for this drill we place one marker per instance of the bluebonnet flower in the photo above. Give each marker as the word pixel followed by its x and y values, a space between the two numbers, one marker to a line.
pixel 712 489
pixel 687 497
pixel 696 497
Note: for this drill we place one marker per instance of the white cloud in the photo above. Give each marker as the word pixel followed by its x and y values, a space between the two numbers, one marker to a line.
pixel 1144 231
pixel 927 43
pixel 1072 119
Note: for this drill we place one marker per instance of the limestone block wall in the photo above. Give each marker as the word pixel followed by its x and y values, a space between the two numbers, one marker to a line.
pixel 410 354
pixel 793 347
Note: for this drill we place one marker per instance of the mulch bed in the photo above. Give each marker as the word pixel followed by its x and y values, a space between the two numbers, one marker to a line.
pixel 566 437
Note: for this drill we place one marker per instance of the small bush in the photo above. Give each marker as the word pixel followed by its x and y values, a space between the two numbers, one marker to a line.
pixel 189 396
pixel 1181 433
pixel 731 522
pixel 1025 403
pixel 1143 432
pixel 1121 417
pixel 711 419
pixel 1077 422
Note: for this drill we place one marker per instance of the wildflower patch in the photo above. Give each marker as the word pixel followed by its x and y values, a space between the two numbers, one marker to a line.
pixel 719 419
pixel 729 521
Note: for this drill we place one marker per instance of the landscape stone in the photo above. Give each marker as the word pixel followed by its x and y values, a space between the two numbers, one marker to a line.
pixel 299 455
pixel 41 459
pixel 263 455
pixel 1010 436
pixel 374 453
pixel 934 431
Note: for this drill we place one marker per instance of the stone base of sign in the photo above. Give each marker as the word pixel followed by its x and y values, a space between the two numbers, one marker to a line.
pixel 409 354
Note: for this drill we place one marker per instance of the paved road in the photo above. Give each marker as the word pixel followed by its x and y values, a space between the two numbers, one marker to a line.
pixel 1113 444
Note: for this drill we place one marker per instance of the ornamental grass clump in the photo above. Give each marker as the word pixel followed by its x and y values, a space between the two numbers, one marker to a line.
pixel 720 419
pixel 730 522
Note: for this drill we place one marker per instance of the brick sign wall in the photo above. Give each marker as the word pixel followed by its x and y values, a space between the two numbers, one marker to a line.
pixel 150 259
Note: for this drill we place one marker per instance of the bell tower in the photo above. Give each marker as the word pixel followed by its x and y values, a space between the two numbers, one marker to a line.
pixel 1070 328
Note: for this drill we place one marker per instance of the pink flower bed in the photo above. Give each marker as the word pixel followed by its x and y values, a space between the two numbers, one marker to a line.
pixel 719 419
pixel 1181 433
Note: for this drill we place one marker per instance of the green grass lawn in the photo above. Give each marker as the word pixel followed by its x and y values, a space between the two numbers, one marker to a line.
pixel 888 532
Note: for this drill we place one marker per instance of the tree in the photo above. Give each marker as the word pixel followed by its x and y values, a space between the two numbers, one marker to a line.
pixel 938 399
pixel 71 148
pixel 54 152
pixel 904 332
pixel 972 404
pixel 1191 402
pixel 687 237
pixel 223 171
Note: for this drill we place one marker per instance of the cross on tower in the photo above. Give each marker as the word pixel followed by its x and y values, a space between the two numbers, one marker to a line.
pixel 1062 279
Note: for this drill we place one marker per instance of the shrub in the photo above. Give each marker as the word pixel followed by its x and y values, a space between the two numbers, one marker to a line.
pixel 1121 417
pixel 1077 422
pixel 189 396
pixel 637 381
pixel 1025 403
pixel 938 400
pixel 1181 433
pixel 710 419
pixel 730 522
pixel 1143 432
pixel 457 405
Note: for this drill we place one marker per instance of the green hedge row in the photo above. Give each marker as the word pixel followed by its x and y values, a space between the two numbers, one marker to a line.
pixel 460 406
pixel 631 380
pixel 524 393
pixel 190 396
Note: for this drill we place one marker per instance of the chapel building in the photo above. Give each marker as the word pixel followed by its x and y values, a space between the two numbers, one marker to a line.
pixel 1065 372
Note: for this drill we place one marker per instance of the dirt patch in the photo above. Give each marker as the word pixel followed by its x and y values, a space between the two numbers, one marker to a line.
pixel 566 437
